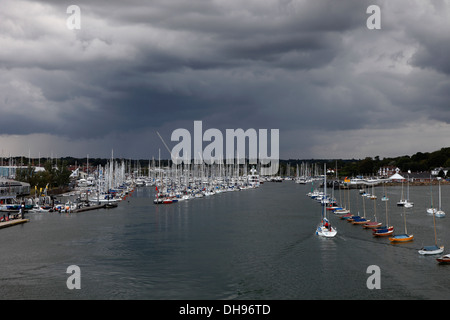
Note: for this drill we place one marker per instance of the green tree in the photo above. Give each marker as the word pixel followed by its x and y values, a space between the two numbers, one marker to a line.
pixel 25 174
pixel 53 177
pixel 366 166
pixel 61 175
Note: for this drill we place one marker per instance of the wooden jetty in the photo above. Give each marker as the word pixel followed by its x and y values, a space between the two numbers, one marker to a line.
pixel 13 222
pixel 95 207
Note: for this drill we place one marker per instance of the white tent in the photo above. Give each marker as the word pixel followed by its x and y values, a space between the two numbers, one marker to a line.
pixel 396 177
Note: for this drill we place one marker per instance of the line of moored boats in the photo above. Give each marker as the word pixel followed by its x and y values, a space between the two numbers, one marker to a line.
pixel 330 205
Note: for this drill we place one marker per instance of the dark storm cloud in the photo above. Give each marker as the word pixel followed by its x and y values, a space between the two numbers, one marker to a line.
pixel 305 67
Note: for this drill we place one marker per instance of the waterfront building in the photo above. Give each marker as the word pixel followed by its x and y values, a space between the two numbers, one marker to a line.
pixel 9 172
pixel 11 189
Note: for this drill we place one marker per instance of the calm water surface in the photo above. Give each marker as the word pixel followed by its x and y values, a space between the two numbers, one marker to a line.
pixel 253 244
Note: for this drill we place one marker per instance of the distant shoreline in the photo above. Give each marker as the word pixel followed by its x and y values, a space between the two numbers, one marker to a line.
pixel 419 183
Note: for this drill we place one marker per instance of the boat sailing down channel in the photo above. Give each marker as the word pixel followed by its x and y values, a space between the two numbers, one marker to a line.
pixel 324 229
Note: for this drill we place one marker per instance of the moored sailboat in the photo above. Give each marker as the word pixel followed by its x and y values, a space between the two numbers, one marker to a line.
pixel 444 259
pixel 434 249
pixel 429 250
pixel 439 213
pixel 375 223
pixel 361 220
pixel 404 237
pixel 431 210
pixel 408 203
pixel 383 231
pixel 402 200
pixel 372 224
pixel 386 230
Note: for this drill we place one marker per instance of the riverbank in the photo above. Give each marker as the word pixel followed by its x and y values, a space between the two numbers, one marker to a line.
pixel 412 183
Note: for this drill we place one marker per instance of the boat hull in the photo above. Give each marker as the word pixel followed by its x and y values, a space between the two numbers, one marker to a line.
pixel 360 221
pixel 325 232
pixel 384 232
pixel 372 225
pixel 346 216
pixel 401 238
pixel 444 259
pixel 425 251
pixel 439 214
pixel 353 218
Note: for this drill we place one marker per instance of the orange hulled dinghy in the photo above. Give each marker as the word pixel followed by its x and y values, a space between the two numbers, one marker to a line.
pixel 401 238
pixel 405 237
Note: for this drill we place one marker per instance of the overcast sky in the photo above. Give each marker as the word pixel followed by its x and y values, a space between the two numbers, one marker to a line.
pixel 311 69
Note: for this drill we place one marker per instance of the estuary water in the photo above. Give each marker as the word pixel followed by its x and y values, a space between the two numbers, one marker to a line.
pixel 253 244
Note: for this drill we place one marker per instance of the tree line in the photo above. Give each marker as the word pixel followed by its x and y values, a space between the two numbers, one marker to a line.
pixel 58 176
pixel 51 177
pixel 418 162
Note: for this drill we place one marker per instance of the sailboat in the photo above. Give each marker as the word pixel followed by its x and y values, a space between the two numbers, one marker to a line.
pixel 361 220
pixel 350 217
pixel 444 259
pixel 375 223
pixel 429 250
pixel 431 210
pixel 384 230
pixel 373 196
pixel 324 229
pixel 345 213
pixel 408 204
pixel 439 213
pixel 405 237
pixel 385 197
pixel 433 249
pixel 402 200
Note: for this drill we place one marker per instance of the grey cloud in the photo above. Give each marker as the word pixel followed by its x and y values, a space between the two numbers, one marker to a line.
pixel 301 66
